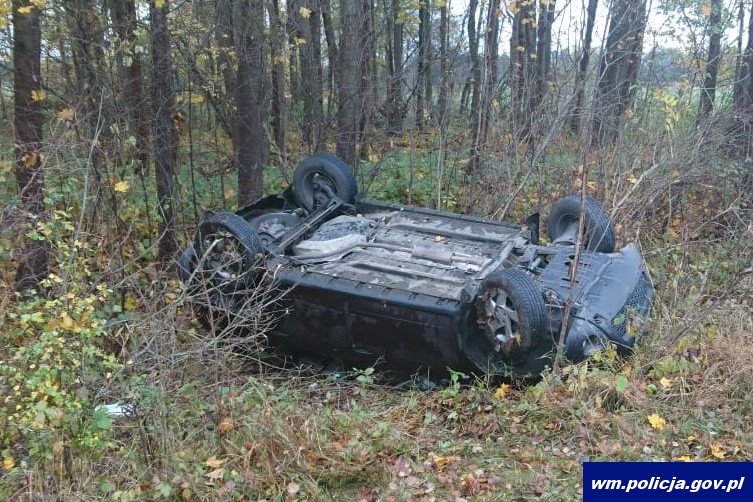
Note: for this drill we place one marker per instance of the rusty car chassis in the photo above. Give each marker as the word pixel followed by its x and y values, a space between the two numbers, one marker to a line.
pixel 421 289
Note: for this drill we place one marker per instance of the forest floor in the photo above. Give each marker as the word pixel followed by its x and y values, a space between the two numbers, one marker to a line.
pixel 208 424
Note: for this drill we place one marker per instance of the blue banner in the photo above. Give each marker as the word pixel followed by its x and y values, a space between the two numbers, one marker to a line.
pixel 616 481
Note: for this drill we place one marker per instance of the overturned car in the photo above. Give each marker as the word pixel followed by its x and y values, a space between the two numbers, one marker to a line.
pixel 416 288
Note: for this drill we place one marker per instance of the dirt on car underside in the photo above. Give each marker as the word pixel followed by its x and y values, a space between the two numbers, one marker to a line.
pixel 433 255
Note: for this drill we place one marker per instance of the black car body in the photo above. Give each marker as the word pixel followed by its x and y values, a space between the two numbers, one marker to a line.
pixel 418 288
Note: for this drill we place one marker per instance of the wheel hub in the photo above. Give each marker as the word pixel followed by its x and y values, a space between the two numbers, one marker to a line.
pixel 500 319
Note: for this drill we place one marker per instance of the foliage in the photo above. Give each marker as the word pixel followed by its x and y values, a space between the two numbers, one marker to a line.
pixel 56 358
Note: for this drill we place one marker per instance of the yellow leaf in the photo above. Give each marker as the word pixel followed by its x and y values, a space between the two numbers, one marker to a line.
pixel 216 474
pixel 717 450
pixel 502 391
pixel 25 9
pixel 121 186
pixel 226 425
pixel 66 114
pixel 214 462
pixel 8 463
pixel 665 382
pixel 656 421
pixel 439 463
pixel 300 41
pixel 38 95
pixel 67 322
pixel 159 3
pixel 706 10
pixel 30 159
pixel 685 458
pixel 305 12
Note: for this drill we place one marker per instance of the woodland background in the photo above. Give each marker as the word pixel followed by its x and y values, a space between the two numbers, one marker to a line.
pixel 124 120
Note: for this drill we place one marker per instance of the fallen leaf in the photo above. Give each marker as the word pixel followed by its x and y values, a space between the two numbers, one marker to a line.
pixel 502 391
pixel 214 462
pixel 159 4
pixel 293 488
pixel 685 458
pixel 665 382
pixel 470 485
pixel 38 95
pixel 656 421
pixel 226 425
pixel 215 474
pixel 8 463
pixel 66 115
pixel 717 450
pixel 439 463
pixel 305 12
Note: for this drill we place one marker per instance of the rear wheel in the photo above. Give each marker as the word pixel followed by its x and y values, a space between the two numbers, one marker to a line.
pixel 598 231
pixel 320 174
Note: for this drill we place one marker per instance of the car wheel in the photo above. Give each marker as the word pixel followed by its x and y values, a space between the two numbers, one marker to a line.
pixel 317 174
pixel 229 255
pixel 598 232
pixel 513 312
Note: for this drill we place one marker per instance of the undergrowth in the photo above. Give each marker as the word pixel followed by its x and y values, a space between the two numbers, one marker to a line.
pixel 205 422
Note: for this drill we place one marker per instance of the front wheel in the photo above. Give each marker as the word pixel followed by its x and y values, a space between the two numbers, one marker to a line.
pixel 320 175
pixel 229 258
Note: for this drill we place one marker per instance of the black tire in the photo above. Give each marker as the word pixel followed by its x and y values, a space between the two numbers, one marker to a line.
pixel 598 233
pixel 324 168
pixel 229 255
pixel 186 264
pixel 526 353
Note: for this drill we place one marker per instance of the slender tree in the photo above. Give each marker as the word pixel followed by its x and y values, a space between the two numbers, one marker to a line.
pixel 395 105
pixel 708 92
pixel 33 263
pixel 585 57
pixel 279 79
pixel 521 75
pixel 619 67
pixel 164 130
pixel 131 76
pixel 423 77
pixel 480 117
pixel 307 21
pixel 444 64
pixel 250 139
pixel 349 74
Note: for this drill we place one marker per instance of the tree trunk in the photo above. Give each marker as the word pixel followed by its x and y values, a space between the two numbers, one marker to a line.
pixel 619 68
pixel 94 107
pixel 307 21
pixel 164 130
pixel 444 65
pixel 368 91
pixel 740 135
pixel 226 47
pixel 585 56
pixel 480 119
pixel 329 36
pixel 475 74
pixel 522 66
pixel 279 101
pixel 423 79
pixel 250 140
pixel 395 105
pixel 28 120
pixel 349 81
pixel 708 91
pixel 131 76
pixel 543 49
